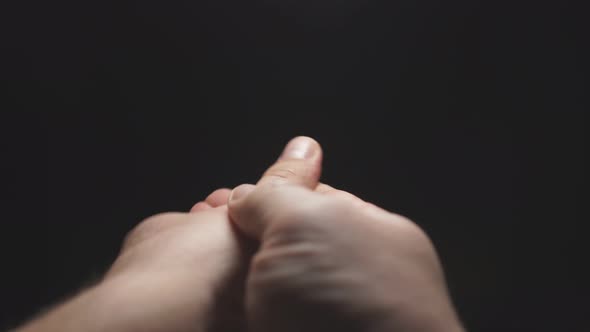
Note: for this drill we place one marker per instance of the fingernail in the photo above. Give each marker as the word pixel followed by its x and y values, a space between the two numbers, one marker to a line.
pixel 241 191
pixel 299 148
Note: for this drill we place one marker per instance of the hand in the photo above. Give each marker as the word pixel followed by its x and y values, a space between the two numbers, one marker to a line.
pixel 329 261
pixel 175 272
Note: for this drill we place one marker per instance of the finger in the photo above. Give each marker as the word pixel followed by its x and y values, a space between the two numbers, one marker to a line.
pixel 254 209
pixel 200 206
pixel 299 164
pixel 297 170
pixel 325 189
pixel 218 197
pixel 252 215
pixel 328 190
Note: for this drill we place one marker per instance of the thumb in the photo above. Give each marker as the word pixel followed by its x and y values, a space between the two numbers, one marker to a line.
pixel 294 174
pixel 299 164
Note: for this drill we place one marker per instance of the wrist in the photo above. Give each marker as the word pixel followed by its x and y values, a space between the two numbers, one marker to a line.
pixel 153 302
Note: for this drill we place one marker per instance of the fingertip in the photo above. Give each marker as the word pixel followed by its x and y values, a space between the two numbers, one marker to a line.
pixel 301 147
pixel 200 206
pixel 218 197
pixel 299 164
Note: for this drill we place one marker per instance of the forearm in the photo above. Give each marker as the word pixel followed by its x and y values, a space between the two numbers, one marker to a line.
pixel 80 313
pixel 126 304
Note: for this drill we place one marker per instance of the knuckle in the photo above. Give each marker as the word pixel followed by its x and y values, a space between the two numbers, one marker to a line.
pixel 281 172
pixel 262 262
pixel 411 229
pixel 414 234
pixel 298 216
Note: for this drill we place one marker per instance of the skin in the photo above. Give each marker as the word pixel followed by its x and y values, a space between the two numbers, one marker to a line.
pixel 289 254
pixel 328 261
pixel 175 272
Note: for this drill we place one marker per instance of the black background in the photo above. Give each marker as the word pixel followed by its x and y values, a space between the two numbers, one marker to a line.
pixel 466 116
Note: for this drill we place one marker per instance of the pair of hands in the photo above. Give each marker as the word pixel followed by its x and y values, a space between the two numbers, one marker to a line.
pixel 289 254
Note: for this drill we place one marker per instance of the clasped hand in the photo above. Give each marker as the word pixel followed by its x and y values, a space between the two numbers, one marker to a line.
pixel 286 254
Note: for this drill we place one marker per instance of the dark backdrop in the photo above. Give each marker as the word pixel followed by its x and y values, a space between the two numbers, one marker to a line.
pixel 466 116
